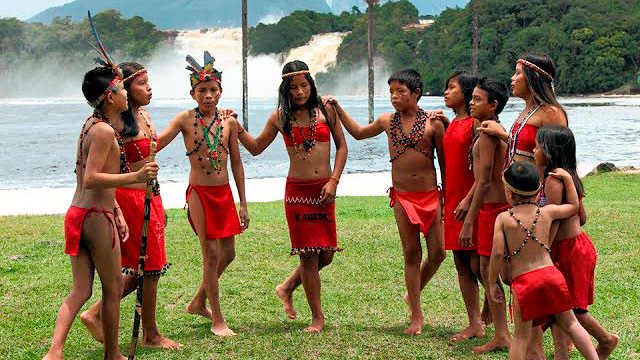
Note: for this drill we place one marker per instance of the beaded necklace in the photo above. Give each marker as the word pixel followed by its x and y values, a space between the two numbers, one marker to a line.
pixel 213 150
pixel 100 117
pixel 476 135
pixel 528 232
pixel 303 149
pixel 145 134
pixel 512 140
pixel 401 141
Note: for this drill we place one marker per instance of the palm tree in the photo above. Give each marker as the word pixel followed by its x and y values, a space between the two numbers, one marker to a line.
pixel 245 53
pixel 474 52
pixel 370 10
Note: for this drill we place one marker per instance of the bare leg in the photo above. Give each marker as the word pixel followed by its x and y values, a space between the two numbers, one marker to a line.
pixel 412 252
pixel 92 319
pixel 560 343
pixel 82 271
pixel 469 289
pixel 521 334
pixel 501 339
pixel 311 283
pixel 535 350
pixel 568 322
pixel 151 335
pixel 607 341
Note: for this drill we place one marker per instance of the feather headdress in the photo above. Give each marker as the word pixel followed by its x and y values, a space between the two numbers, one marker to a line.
pixel 206 73
pixel 107 62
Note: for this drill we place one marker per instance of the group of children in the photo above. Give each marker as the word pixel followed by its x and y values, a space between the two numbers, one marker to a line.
pixel 491 215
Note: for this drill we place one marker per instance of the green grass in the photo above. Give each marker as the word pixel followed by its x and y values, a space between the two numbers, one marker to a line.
pixel 362 289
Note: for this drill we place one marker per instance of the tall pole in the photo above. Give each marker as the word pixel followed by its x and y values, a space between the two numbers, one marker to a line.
pixel 370 9
pixel 245 53
pixel 474 52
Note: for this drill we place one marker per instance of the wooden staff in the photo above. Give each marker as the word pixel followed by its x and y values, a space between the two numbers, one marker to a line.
pixel 143 253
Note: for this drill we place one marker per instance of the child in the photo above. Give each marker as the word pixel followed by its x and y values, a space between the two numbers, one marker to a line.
pixel 572 251
pixel 210 139
pixel 137 133
pixel 521 236
pixel 487 153
pixel 309 203
pixel 94 223
pixel 415 198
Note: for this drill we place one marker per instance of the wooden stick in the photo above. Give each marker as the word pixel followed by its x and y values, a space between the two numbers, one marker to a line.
pixel 143 253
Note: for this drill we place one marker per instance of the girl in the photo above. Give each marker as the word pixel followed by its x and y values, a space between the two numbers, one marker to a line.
pixel 137 132
pixel 572 251
pixel 311 186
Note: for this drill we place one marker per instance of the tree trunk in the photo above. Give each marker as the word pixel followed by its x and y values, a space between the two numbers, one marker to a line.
pixel 370 51
pixel 245 53
pixel 474 53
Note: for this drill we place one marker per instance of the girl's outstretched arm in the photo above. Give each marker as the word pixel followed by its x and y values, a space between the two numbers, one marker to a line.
pixel 257 145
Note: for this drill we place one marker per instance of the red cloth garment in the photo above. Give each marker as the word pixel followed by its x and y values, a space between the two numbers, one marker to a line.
pixel 73 222
pixel 575 257
pixel 136 150
pixel 458 180
pixel 131 203
pixel 541 293
pixel 486 222
pixel 220 211
pixel 323 134
pixel 526 141
pixel 420 206
pixel 312 227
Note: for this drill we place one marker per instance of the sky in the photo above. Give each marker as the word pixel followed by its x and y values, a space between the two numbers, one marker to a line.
pixel 26 8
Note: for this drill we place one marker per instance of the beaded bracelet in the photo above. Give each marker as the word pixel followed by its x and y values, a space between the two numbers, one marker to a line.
pixel 335 179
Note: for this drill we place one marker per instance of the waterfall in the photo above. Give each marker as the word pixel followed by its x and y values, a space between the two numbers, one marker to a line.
pixel 169 77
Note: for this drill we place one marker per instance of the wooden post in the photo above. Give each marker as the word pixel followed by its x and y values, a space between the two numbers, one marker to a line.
pixel 474 52
pixel 245 54
pixel 370 10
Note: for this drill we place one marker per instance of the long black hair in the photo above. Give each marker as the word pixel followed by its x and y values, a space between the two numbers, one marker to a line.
pixel 559 146
pixel 131 127
pixel 468 82
pixel 541 87
pixel 284 97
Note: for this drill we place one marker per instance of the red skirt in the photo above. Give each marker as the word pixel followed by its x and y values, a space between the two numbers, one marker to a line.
pixel 73 222
pixel 576 259
pixel 421 206
pixel 220 212
pixel 541 293
pixel 131 203
pixel 486 224
pixel 312 227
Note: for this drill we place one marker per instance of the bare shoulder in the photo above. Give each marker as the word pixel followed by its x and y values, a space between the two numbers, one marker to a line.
pixel 552 115
pixel 229 120
pixel 385 120
pixel 101 130
pixel 437 125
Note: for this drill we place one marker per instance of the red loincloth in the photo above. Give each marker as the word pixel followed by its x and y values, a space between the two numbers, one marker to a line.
pixel 131 203
pixel 576 259
pixel 73 222
pixel 312 227
pixel 220 214
pixel 458 180
pixel 420 206
pixel 541 293
pixel 486 222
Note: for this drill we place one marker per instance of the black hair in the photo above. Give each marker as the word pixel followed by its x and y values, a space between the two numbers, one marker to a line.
pixel 409 77
pixel 496 91
pixel 284 97
pixel 541 87
pixel 96 82
pixel 468 82
pixel 131 127
pixel 559 146
pixel 523 176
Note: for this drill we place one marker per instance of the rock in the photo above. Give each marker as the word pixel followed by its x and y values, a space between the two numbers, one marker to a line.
pixel 602 168
pixel 16 257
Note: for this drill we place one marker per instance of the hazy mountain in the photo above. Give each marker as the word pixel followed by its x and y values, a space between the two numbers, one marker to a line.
pixel 186 14
pixel 425 7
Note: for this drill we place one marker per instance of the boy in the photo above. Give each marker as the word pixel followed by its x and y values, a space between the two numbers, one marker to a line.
pixel 210 138
pixel 487 101
pixel 94 223
pixel 521 236
pixel 415 199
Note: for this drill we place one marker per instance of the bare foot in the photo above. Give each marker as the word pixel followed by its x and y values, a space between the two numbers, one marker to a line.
pixel 161 342
pixel 53 357
pixel 535 355
pixel 317 324
pixel 222 330
pixel 94 325
pixel 285 298
pixel 605 349
pixel 493 345
pixel 486 312
pixel 468 333
pixel 406 301
pixel 415 327
pixel 200 310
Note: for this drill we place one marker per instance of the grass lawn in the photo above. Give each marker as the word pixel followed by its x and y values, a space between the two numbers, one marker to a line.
pixel 362 289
